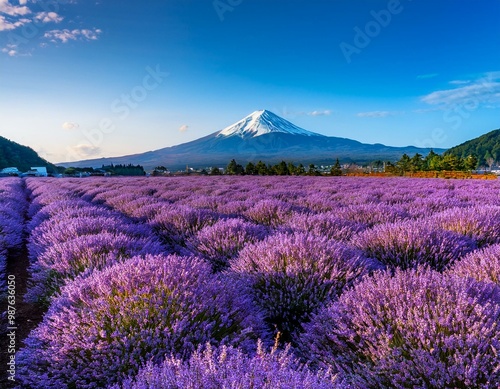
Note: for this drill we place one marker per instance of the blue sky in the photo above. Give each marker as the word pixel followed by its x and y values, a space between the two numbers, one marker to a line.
pixel 82 79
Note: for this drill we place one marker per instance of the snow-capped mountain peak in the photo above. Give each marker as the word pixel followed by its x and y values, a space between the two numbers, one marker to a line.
pixel 260 123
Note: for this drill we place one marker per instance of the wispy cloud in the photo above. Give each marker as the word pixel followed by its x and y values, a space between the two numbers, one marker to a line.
pixel 7 25
pixel 14 10
pixel 425 76
pixel 23 12
pixel 377 114
pixel 85 150
pixel 485 90
pixel 326 112
pixel 459 82
pixel 48 17
pixel 70 126
pixel 183 128
pixel 66 35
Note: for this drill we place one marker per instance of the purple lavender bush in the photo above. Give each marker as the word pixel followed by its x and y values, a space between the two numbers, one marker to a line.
pixel 63 227
pixel 221 242
pixel 409 244
pixel 372 214
pixel 65 261
pixel 13 205
pixel 293 275
pixel 106 326
pixel 228 367
pixel 479 223
pixel 175 223
pixel 482 265
pixel 270 212
pixel 326 225
pixel 416 329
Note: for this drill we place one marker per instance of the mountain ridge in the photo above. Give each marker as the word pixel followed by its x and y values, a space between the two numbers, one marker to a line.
pixel 13 154
pixel 484 147
pixel 264 136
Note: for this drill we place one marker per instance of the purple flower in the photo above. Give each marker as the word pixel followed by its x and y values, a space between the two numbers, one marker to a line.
pixel 107 325
pixel 418 328
pixel 228 367
pixel 482 265
pixel 64 261
pixel 270 212
pixel 176 223
pixel 293 275
pixel 327 225
pixel 221 242
pixel 479 223
pixel 408 244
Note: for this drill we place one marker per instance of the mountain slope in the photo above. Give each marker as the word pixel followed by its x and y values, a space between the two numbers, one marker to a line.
pixel 483 147
pixel 260 136
pixel 13 154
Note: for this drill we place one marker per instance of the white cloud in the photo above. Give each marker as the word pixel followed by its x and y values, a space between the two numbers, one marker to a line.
pixel 11 50
pixel 66 35
pixel 425 110
pixel 183 128
pixel 484 90
pixel 86 150
pixel 13 10
pixel 376 114
pixel 459 82
pixel 23 2
pixel 70 126
pixel 425 76
pixel 325 112
pixel 47 17
pixel 6 25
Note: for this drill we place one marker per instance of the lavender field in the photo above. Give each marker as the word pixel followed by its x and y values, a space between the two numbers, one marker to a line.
pixel 257 282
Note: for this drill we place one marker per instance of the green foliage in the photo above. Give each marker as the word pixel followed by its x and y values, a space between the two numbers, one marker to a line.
pixel 125 170
pixel 15 155
pixel 281 169
pixel 485 147
pixel 215 171
pixel 432 162
pixel 336 170
pixel 234 168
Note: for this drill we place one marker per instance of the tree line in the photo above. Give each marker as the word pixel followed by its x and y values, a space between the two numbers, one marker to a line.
pixel 432 162
pixel 280 169
pixel 407 164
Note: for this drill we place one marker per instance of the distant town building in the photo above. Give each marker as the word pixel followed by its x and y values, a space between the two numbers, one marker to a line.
pixel 38 171
pixel 10 170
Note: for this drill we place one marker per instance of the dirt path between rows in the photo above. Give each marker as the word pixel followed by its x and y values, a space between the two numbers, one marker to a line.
pixel 27 316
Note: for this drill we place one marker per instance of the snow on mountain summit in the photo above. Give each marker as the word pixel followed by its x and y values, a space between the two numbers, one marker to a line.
pixel 263 122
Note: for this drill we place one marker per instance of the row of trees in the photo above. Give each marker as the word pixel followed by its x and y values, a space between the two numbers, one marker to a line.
pixel 118 170
pixel 417 163
pixel 432 162
pixel 281 169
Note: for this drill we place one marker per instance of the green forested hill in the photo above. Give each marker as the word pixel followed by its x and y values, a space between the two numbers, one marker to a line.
pixel 486 148
pixel 13 154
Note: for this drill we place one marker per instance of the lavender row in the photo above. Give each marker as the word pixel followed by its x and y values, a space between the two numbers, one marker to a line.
pixel 69 237
pixel 13 205
pixel 377 283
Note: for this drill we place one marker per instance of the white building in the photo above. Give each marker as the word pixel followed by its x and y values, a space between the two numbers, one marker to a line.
pixel 39 171
pixel 10 170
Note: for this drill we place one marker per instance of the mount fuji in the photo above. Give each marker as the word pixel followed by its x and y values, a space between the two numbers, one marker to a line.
pixel 264 136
